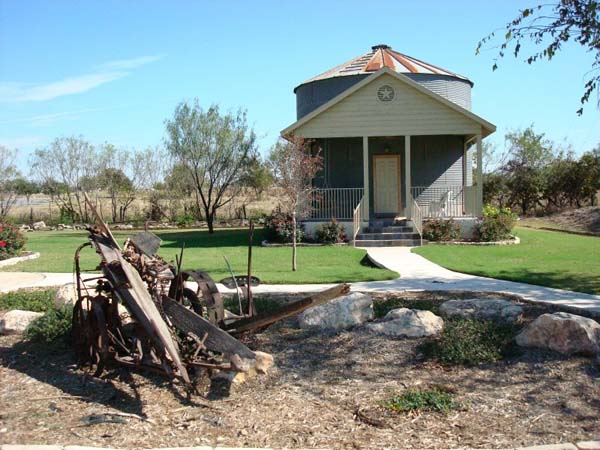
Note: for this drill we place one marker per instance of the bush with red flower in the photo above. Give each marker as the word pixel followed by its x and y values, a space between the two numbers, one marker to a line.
pixel 280 228
pixel 11 241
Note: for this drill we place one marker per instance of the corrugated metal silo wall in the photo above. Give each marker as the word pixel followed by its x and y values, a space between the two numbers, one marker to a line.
pixel 312 95
pixel 453 89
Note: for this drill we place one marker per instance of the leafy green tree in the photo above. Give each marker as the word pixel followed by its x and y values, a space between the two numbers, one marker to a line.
pixel 549 27
pixel 257 176
pixel 25 187
pixel 213 147
pixel 8 173
pixel 588 168
pixel 528 154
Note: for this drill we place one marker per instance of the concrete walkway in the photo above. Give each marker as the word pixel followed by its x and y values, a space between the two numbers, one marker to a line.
pixel 416 273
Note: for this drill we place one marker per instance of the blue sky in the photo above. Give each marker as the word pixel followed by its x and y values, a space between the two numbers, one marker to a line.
pixel 113 71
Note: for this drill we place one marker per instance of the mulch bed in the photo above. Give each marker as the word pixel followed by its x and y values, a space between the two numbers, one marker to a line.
pixel 326 392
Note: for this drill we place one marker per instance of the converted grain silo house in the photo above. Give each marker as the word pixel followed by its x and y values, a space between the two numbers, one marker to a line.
pixel 397 136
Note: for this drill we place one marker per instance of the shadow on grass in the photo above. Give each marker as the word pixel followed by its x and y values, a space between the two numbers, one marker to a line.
pixel 203 239
pixel 560 280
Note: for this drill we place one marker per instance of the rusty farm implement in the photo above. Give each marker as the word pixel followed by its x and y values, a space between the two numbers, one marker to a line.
pixel 143 312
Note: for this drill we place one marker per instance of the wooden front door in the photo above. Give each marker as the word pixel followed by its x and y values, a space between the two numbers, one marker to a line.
pixel 386 180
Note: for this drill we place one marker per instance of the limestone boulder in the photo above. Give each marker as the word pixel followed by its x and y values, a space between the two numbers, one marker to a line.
pixel 65 296
pixel 339 314
pixel 404 322
pixel 482 309
pixel 41 225
pixel 562 332
pixel 16 321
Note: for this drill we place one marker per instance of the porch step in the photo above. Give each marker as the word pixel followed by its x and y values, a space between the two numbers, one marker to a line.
pixel 389 223
pixel 388 243
pixel 389 229
pixel 388 236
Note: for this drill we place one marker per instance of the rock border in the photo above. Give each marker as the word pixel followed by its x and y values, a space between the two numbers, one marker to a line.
pixel 17 259
pixel 302 244
pixel 514 241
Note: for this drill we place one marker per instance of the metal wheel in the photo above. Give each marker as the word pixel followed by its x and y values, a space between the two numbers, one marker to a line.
pixel 90 336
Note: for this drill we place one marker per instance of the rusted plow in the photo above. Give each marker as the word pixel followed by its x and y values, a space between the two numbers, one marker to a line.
pixel 144 312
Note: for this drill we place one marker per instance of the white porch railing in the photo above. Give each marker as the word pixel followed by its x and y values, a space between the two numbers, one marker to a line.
pixel 446 201
pixel 416 216
pixel 357 218
pixel 335 202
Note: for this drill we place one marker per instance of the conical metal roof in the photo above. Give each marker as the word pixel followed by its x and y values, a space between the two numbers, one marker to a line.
pixel 384 56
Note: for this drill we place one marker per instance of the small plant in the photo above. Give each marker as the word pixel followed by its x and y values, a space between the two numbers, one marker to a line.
pixel 331 233
pixel 417 400
pixel 11 241
pixel 54 324
pixel 441 230
pixel 27 300
pixel 382 307
pixel 279 228
pixel 496 224
pixel 471 342
pixel 185 220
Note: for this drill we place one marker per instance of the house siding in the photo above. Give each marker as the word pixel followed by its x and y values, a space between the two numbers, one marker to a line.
pixel 411 112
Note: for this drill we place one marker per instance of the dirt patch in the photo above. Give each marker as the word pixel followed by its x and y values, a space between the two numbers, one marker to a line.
pixel 326 392
pixel 583 220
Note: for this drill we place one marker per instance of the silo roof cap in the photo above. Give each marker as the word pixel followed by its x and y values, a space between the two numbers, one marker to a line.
pixel 380 56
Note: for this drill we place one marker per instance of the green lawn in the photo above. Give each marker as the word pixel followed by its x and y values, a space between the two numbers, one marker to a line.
pixel 546 258
pixel 204 251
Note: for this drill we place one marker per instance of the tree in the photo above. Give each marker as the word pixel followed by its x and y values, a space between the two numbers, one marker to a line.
pixel 213 147
pixel 65 163
pixel 295 163
pixel 549 27
pixel 588 168
pixel 257 176
pixel 8 173
pixel 528 153
pixel 25 187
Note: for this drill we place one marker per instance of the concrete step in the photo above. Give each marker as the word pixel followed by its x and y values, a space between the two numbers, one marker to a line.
pixel 388 236
pixel 388 243
pixel 389 229
pixel 388 222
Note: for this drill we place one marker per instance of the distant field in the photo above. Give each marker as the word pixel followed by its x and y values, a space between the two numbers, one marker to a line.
pixel 205 251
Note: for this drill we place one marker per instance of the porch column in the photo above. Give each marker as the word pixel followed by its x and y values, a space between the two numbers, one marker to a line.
pixel 479 177
pixel 366 177
pixel 407 182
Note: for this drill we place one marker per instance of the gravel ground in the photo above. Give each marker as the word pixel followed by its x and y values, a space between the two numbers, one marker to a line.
pixel 325 392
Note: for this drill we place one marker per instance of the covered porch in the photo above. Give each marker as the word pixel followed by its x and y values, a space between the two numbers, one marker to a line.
pixel 389 177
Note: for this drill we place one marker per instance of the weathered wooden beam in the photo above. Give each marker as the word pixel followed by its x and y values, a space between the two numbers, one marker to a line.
pixel 292 309
pixel 217 340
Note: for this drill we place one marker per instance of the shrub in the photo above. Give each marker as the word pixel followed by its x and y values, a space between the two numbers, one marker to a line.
pixel 441 230
pixel 54 324
pixel 331 233
pixel 11 240
pixel 471 342
pixel 279 228
pixel 185 220
pixel 496 224
pixel 38 301
pixel 415 400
